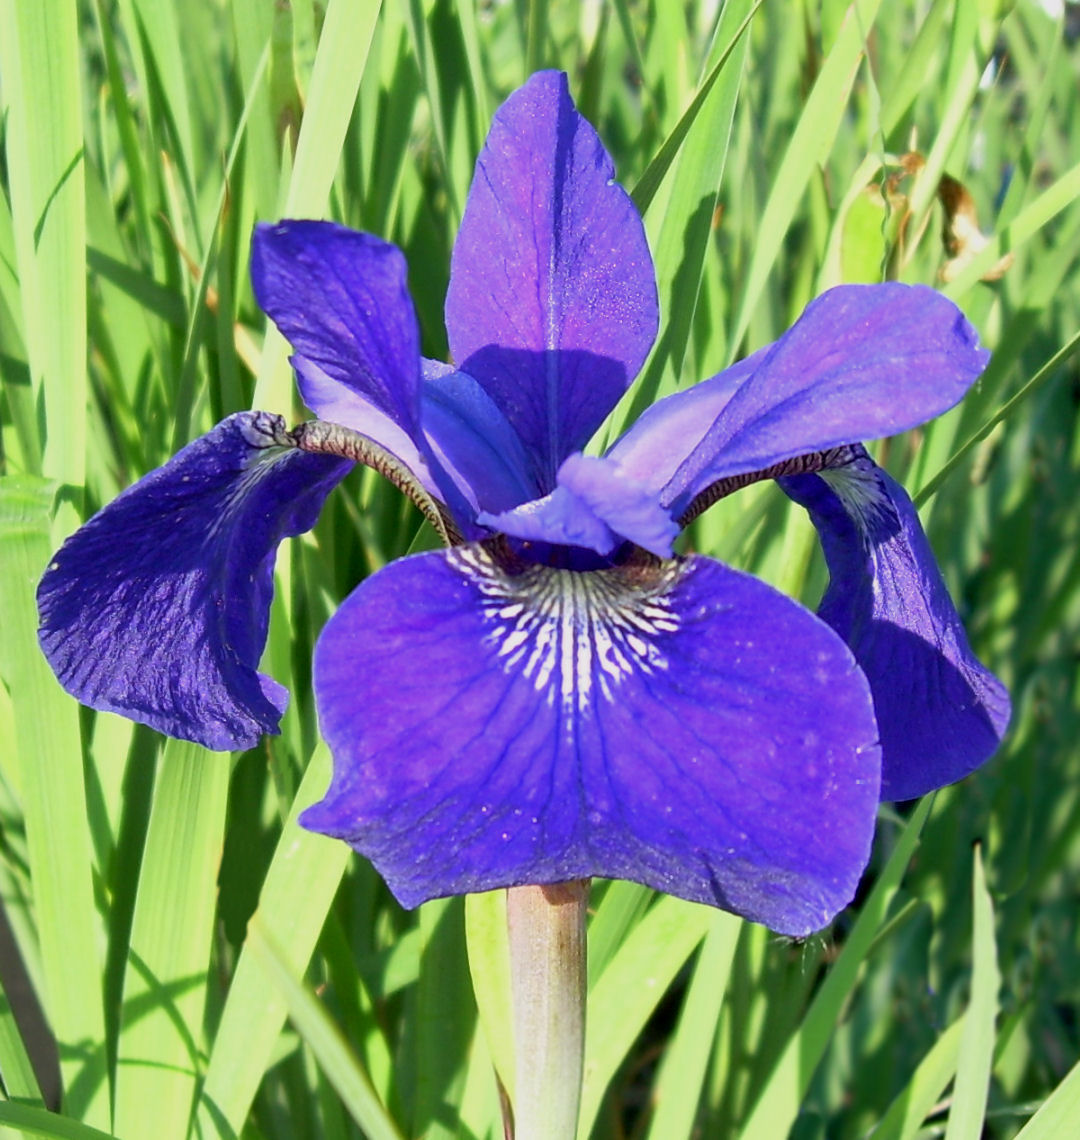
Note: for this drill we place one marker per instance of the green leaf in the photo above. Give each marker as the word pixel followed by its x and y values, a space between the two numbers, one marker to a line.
pixel 968 1111
pixel 299 888
pixel 908 1111
pixel 54 803
pixel 631 987
pixel 33 1121
pixel 489 967
pixel 1058 1113
pixel 808 148
pixel 779 1101
pixel 160 1049
pixel 39 56
pixel 686 1060
pixel 335 80
pixel 336 1059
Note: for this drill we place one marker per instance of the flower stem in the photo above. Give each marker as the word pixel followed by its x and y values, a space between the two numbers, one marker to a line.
pixel 547 972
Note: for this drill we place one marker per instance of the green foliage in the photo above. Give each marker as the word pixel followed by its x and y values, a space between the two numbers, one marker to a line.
pixel 206 968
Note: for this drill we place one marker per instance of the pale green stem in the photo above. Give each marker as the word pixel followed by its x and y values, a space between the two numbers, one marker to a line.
pixel 547 977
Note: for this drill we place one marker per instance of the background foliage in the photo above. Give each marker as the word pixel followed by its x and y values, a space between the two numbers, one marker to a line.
pixel 209 970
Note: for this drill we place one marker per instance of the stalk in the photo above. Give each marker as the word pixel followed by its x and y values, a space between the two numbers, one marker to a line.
pixel 548 980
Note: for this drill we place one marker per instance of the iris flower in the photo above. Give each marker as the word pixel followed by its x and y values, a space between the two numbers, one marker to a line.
pixel 557 695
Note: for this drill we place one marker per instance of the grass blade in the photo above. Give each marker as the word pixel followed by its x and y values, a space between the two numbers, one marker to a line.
pixel 779 1101
pixel 630 989
pixel 907 1113
pixel 39 53
pixel 977 1043
pixel 159 1050
pixel 809 146
pixel 682 1075
pixel 1058 1113
pixel 54 805
pixel 335 80
pixel 299 888
pixel 33 1121
pixel 338 1062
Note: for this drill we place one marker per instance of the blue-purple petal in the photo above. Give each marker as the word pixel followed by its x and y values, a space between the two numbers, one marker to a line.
pixel 678 724
pixel 594 506
pixel 660 439
pixel 552 301
pixel 341 299
pixel 559 518
pixel 862 362
pixel 473 441
pixel 157 608
pixel 941 713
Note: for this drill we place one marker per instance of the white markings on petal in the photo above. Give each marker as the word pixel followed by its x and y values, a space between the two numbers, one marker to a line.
pixel 860 492
pixel 268 438
pixel 574 633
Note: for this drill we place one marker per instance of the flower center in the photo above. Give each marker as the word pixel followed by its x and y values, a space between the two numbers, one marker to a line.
pixel 574 633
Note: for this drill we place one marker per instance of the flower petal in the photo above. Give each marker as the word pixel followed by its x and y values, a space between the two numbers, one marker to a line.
pixel 341 298
pixel 552 300
pixel 662 437
pixel 594 506
pixel 473 441
pixel 560 518
pixel 679 724
pixel 863 361
pixel 941 713
pixel 157 608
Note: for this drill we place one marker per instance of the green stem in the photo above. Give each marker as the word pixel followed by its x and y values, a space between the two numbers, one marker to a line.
pixel 548 981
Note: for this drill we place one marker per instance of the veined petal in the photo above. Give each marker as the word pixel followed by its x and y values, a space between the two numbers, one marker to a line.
pixel 863 361
pixel 552 301
pixel 680 724
pixel 157 608
pixel 940 711
pixel 341 299
pixel 473 441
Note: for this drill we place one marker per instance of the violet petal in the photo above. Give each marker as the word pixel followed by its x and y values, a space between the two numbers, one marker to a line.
pixel 862 362
pixel 552 301
pixel 682 725
pixel 157 608
pixel 941 713
pixel 473 441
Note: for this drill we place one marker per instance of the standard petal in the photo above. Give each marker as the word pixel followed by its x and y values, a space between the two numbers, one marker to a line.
pixel 941 713
pixel 473 441
pixel 341 299
pixel 679 724
pixel 862 362
pixel 157 608
pixel 552 300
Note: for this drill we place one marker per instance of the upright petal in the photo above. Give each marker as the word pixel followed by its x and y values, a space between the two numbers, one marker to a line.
pixel 473 441
pixel 552 301
pixel 862 362
pixel 679 724
pixel 941 713
pixel 157 608
pixel 341 299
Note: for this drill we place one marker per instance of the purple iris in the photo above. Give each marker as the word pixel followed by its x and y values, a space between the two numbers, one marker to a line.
pixel 556 695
